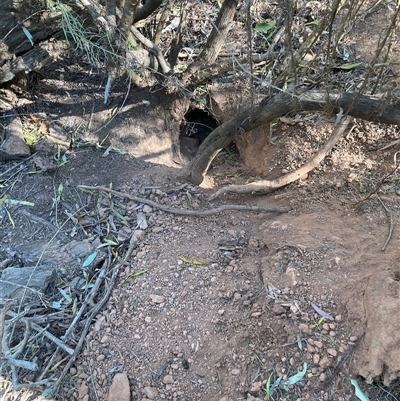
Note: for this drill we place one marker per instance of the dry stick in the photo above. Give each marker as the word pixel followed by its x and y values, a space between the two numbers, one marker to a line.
pixel 47 334
pixel 85 330
pixel 267 186
pixel 187 212
pixel 381 183
pixel 391 224
pixel 6 306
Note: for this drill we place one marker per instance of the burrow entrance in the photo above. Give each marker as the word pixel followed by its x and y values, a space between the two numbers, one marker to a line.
pixel 198 124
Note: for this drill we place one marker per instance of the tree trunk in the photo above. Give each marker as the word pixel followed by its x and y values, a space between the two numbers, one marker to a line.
pixel 215 41
pixel 359 106
pixel 18 52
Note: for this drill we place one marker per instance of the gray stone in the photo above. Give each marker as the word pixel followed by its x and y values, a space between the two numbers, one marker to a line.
pixel 30 282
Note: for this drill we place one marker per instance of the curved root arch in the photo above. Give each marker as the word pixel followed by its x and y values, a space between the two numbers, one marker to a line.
pixel 359 106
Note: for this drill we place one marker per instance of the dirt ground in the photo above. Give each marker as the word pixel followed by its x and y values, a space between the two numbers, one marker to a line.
pixel 217 308
pixel 218 331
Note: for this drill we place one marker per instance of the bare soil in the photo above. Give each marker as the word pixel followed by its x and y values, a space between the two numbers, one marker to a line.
pixel 212 308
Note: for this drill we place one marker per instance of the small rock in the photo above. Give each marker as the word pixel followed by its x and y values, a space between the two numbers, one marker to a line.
pixel 104 339
pixel 338 318
pixel 175 366
pixel 147 319
pixel 256 387
pixel 256 314
pixel 235 372
pixel 322 377
pixel 318 344
pixel 304 328
pixel 221 312
pixel 72 371
pixel 157 230
pixel 353 339
pixel 119 389
pixel 331 351
pixel 138 235
pixel 168 379
pixel 324 362
pixel 278 309
pixel 157 299
pixel 147 209
pixel 150 392
pixel 83 390
pixel 316 358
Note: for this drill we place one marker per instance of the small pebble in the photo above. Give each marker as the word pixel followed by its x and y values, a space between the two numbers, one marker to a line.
pixel 331 351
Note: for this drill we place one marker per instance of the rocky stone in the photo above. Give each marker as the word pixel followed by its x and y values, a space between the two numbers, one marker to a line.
pixel 32 281
pixel 157 299
pixel 304 328
pixel 168 379
pixel 256 387
pixel 138 234
pixel 324 362
pixel 119 389
pixel 278 309
pixel 150 392
pixel 83 390
pixel 147 209
pixel 331 351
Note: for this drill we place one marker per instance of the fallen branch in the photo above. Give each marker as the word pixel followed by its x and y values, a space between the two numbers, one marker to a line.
pixel 389 237
pixel 185 212
pixel 43 332
pixel 104 277
pixel 267 186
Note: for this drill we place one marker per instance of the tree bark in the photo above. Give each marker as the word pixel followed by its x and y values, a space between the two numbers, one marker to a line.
pixel 359 106
pixel 215 41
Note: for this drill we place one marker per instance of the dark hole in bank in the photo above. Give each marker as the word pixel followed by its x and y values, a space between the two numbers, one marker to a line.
pixel 197 126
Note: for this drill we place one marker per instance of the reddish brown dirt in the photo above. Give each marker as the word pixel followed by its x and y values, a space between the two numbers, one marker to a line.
pixel 218 331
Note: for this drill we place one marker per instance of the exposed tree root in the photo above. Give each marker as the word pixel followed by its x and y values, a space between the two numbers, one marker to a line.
pixel 267 186
pixel 368 108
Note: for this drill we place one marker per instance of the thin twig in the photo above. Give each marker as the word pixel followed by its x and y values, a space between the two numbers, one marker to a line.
pixel 16 165
pixel 85 330
pixel 389 237
pixel 185 212
pixel 381 183
pixel 47 334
